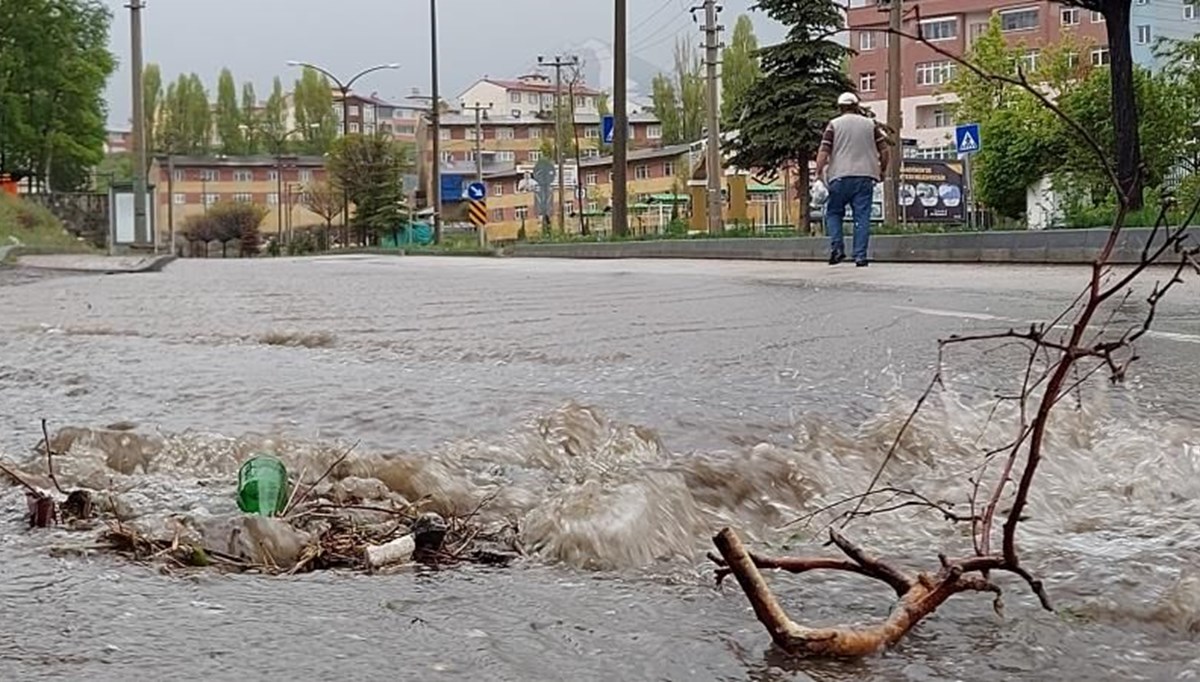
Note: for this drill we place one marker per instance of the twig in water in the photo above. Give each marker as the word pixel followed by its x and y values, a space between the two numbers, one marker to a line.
pixel 308 491
pixel 23 483
pixel 50 457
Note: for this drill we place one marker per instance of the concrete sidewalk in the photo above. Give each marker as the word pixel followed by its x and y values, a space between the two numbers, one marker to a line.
pixel 1042 247
pixel 95 263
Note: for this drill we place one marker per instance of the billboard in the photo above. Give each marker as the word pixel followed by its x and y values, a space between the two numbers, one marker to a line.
pixel 932 191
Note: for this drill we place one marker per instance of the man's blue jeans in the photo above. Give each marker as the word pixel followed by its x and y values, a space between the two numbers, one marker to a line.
pixel 856 192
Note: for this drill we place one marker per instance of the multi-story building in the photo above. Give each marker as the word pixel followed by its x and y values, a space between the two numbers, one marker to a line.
pixel 187 186
pixel 955 24
pixel 528 96
pixel 118 142
pixel 402 121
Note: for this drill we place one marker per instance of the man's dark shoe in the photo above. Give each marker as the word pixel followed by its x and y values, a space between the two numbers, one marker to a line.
pixel 861 263
pixel 837 258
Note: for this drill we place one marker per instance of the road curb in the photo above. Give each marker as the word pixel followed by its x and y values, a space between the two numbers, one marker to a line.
pixel 1044 247
pixel 100 265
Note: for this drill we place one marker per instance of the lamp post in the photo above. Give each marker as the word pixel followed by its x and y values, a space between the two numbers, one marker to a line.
pixel 279 141
pixel 435 121
pixel 344 89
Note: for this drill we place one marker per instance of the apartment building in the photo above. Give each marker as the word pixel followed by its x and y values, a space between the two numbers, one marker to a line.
pixel 527 97
pixel 190 185
pixel 118 142
pixel 955 24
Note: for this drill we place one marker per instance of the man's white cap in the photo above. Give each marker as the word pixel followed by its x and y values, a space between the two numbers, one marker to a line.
pixel 847 99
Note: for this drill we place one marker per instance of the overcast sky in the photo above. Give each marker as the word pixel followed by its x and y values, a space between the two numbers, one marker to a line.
pixel 500 38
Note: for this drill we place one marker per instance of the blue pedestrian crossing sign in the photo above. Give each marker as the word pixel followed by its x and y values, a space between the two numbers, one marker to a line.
pixel 609 124
pixel 476 191
pixel 966 138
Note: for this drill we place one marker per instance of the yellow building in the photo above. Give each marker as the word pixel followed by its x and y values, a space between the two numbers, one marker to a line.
pixel 190 185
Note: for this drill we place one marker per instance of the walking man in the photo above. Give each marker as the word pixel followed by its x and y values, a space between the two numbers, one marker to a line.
pixel 854 156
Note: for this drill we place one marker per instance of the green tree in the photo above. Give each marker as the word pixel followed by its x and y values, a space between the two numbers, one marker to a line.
pixel 679 99
pixel 237 222
pixel 1181 58
pixel 187 117
pixel 315 118
pixel 274 123
pixel 229 116
pixel 251 119
pixel 54 66
pixel 115 169
pixel 1123 93
pixel 796 94
pixel 152 94
pixel 739 69
pixel 370 170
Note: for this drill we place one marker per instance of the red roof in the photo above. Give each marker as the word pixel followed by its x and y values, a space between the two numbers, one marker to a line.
pixel 532 86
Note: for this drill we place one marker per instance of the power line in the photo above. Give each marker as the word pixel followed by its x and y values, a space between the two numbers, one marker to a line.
pixel 649 39
pixel 653 14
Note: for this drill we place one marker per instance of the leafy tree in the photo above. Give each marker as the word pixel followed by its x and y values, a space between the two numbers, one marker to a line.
pixel 236 222
pixel 313 101
pixel 54 66
pixel 370 169
pixel 229 116
pixel 679 99
pixel 152 94
pixel 1123 93
pixel 796 94
pixel 1181 57
pixel 200 229
pixel 739 69
pixel 323 199
pixel 114 169
pixel 274 124
pixel 251 120
pixel 187 116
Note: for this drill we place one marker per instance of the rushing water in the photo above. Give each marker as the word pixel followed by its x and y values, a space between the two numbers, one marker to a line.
pixel 620 413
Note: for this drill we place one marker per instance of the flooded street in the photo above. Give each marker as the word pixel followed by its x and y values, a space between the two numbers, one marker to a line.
pixel 620 413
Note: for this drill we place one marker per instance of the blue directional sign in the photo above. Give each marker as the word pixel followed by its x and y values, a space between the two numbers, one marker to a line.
pixel 609 125
pixel 476 191
pixel 966 138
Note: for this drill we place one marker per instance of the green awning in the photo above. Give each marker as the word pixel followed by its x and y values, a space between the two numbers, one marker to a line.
pixel 756 188
pixel 669 198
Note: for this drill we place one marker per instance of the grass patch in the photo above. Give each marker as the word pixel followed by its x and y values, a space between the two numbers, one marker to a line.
pixel 35 229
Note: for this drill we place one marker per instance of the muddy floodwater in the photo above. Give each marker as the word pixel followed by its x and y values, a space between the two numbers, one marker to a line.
pixel 620 413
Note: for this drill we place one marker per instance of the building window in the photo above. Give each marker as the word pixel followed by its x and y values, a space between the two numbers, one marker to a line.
pixel 654 132
pixel 535 156
pixel 210 199
pixel 866 82
pixel 522 212
pixel 498 189
pixel 306 176
pixel 1097 18
pixel 940 29
pixel 243 198
pixel 210 175
pixel 272 199
pixel 867 40
pixel 1070 16
pixel 591 132
pixel 273 175
pixel 533 98
pixel 506 156
pixel 569 206
pixel 447 157
pixel 514 97
pixel 641 172
pixel 591 153
pixel 535 133
pixel 1028 61
pixel 977 30
pixel 444 134
pixel 355 110
pixel 935 73
pixel 504 133
pixel 942 118
pixel 179 175
pixel 1019 20
pixel 243 176
pixel 1072 59
pixel 668 169
pixel 591 179
pixel 498 215
pixel 1189 12
pixel 179 198
pixel 354 127
pixel 580 103
pixel 1143 34
pixel 1100 56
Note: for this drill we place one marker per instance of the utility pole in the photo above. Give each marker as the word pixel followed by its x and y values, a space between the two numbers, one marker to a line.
pixel 479 109
pixel 140 169
pixel 891 187
pixel 558 65
pixel 713 162
pixel 620 197
pixel 435 123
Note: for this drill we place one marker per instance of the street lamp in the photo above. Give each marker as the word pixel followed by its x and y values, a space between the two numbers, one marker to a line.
pixel 344 88
pixel 280 141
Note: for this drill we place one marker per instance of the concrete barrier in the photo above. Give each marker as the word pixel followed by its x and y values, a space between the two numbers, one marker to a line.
pixel 1061 247
pixel 108 265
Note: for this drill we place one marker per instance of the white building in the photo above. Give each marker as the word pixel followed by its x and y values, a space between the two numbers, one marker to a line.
pixel 526 97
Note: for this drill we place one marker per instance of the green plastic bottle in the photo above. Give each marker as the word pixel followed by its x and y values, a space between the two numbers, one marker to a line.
pixel 262 486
